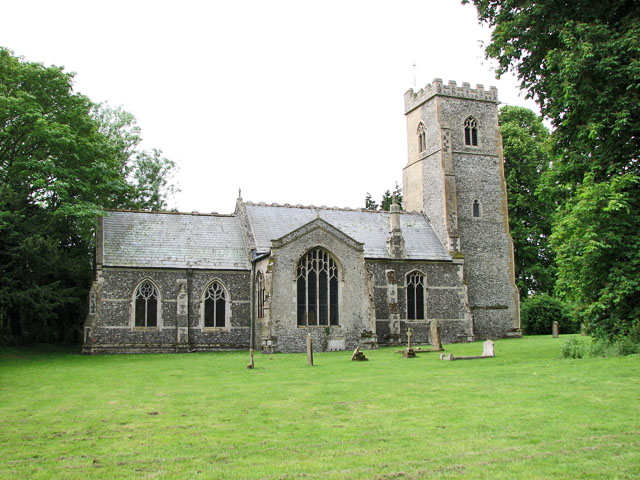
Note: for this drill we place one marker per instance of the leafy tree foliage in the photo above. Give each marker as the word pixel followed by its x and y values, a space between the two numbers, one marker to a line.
pixel 540 311
pixel 526 143
pixel 63 160
pixel 580 62
pixel 386 201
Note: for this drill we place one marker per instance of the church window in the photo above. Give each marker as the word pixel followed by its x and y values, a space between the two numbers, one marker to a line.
pixel 422 138
pixel 471 132
pixel 146 305
pixel 260 294
pixel 476 208
pixel 415 296
pixel 215 305
pixel 317 288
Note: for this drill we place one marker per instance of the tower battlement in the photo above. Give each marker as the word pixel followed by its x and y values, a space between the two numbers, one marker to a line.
pixel 413 99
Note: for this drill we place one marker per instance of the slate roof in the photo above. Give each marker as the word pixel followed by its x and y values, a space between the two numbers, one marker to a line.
pixel 270 222
pixel 173 240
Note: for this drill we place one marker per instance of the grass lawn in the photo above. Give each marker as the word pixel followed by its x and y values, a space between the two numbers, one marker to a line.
pixel 524 414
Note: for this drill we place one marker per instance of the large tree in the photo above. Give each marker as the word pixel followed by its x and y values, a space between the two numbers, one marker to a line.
pixel 63 160
pixel 580 62
pixel 526 143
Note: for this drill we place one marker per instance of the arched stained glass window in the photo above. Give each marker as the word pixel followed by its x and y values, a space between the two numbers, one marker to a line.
pixel 471 132
pixel 415 296
pixel 422 138
pixel 146 305
pixel 317 288
pixel 215 305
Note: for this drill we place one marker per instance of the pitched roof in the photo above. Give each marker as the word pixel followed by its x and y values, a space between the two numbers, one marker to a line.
pixel 173 240
pixel 270 222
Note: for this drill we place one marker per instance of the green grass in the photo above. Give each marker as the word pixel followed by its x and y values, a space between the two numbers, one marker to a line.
pixel 524 414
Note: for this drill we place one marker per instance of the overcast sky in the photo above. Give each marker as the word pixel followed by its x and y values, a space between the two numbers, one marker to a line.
pixel 292 101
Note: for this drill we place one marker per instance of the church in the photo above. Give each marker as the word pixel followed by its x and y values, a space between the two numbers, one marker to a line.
pixel 268 275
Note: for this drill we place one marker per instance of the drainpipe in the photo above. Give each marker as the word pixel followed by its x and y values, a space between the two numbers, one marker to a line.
pixel 189 282
pixel 251 310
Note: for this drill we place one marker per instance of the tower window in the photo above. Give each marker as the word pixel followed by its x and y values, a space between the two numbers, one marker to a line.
pixel 317 288
pixel 415 296
pixel 471 132
pixel 476 208
pixel 422 138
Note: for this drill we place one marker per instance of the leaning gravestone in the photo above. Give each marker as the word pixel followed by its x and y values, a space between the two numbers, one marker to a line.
pixel 555 329
pixel 436 343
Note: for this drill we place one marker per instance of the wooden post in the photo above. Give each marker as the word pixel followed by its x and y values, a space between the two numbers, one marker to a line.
pixel 250 358
pixel 309 350
pixel 555 329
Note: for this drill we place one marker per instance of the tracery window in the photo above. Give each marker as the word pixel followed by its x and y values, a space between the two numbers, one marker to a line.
pixel 476 208
pixel 146 305
pixel 415 296
pixel 317 287
pixel 260 294
pixel 422 138
pixel 471 132
pixel 215 305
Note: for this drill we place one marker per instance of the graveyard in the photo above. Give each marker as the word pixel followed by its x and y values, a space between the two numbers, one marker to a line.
pixel 523 413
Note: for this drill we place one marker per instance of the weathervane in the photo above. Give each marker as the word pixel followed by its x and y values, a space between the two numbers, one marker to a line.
pixel 414 74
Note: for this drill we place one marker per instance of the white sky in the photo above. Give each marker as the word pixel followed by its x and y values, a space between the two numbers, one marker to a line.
pixel 292 101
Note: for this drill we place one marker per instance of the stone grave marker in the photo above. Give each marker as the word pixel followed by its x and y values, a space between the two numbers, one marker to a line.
pixel 309 350
pixel 555 329
pixel 436 343
pixel 409 352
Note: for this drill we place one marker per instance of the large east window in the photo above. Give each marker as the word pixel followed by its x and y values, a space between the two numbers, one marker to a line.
pixel 317 288
pixel 146 305
pixel 415 296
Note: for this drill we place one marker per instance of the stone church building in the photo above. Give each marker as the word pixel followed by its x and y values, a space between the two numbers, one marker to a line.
pixel 270 274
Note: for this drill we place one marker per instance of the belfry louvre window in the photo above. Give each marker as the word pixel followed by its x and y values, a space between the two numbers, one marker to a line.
pixel 471 132
pixel 260 294
pixel 317 288
pixel 146 305
pixel 415 296
pixel 215 305
pixel 422 138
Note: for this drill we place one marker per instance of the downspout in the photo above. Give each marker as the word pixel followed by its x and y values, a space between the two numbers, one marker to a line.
pixel 189 282
pixel 252 309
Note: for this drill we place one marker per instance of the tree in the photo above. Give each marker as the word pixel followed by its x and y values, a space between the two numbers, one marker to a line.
pixel 527 156
pixel 580 62
pixel 386 201
pixel 62 162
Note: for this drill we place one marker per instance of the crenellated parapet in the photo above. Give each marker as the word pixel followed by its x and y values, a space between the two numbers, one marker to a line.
pixel 413 99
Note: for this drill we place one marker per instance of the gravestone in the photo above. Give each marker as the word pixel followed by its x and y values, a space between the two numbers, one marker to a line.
pixel 555 329
pixel 487 349
pixel 358 356
pixel 309 350
pixel 409 352
pixel 436 343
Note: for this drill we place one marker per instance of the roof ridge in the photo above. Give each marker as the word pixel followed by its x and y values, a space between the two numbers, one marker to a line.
pixel 322 207
pixel 168 212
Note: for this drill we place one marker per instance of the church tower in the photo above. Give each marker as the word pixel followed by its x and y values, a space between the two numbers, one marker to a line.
pixel 455 175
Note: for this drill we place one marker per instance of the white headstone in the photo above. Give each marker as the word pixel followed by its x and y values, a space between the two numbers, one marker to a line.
pixel 487 349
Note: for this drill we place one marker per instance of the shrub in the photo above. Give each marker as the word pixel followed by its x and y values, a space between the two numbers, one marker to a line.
pixel 573 348
pixel 540 311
